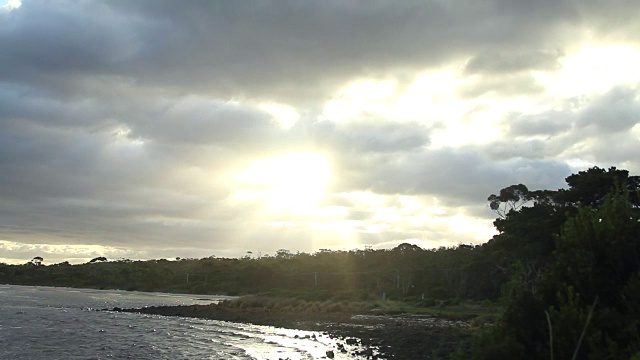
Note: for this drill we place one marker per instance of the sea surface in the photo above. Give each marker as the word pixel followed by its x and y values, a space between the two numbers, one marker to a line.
pixel 64 323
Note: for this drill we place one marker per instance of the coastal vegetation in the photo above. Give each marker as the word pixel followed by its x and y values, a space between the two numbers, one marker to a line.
pixel 405 272
pixel 561 279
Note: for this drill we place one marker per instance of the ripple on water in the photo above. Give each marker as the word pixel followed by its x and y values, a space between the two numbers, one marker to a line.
pixel 56 323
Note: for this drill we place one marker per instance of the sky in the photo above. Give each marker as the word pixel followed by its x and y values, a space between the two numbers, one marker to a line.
pixel 160 129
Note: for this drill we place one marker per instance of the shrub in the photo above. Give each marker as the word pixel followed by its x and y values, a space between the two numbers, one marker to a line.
pixel 428 302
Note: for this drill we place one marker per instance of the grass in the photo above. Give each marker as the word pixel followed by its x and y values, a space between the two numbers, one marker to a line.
pixel 477 313
pixel 462 309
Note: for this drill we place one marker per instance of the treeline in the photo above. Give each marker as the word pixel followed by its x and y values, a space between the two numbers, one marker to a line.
pixel 402 272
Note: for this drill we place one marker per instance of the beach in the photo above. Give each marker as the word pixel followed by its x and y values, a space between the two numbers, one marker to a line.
pixel 393 336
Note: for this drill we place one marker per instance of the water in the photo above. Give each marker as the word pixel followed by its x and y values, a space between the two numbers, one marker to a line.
pixel 62 323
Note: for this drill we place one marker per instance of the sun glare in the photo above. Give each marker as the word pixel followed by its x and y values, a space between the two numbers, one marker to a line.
pixel 293 182
pixel 594 69
pixel 283 115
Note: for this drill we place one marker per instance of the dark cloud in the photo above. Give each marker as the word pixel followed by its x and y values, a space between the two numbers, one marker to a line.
pixel 278 50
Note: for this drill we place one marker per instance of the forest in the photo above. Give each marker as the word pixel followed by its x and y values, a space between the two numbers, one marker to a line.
pixel 565 262
pixel 405 271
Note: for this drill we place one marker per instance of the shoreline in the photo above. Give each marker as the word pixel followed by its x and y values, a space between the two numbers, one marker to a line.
pixel 380 335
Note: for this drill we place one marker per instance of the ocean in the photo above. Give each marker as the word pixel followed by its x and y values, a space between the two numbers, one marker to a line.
pixel 64 323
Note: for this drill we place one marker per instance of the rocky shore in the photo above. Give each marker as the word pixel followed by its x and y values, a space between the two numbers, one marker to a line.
pixel 393 336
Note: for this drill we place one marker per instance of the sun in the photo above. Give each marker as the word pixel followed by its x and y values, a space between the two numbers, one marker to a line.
pixel 292 182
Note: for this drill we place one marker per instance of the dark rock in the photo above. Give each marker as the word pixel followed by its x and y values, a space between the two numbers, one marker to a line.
pixel 366 352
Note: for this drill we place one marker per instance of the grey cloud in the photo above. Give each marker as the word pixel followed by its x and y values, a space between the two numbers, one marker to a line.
pixel 607 148
pixel 527 149
pixel 616 149
pixel 55 38
pixel 206 122
pixel 186 120
pixel 613 112
pixel 58 162
pixel 616 111
pixel 273 50
pixel 546 124
pixel 371 135
pixel 498 63
pixel 595 129
pixel 26 103
pixel 507 74
pixel 460 176
pixel 618 19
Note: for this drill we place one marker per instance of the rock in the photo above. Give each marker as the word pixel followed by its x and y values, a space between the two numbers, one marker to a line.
pixel 330 354
pixel 351 341
pixel 366 352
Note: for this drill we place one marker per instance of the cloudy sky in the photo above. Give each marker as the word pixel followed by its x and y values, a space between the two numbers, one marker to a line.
pixel 163 129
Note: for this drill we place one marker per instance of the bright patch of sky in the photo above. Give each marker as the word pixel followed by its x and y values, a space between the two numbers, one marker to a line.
pixel 283 115
pixel 8 5
pixel 593 69
pixel 292 182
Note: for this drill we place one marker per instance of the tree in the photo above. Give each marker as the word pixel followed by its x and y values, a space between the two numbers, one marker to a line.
pixel 37 261
pixel 588 297
pixel 511 198
pixel 284 254
pixel 596 271
pixel 590 187
pixel 529 222
pixel 98 259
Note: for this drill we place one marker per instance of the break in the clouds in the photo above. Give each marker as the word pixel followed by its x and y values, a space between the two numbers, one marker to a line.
pixel 159 129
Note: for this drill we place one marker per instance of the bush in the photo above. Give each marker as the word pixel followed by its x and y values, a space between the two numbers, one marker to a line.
pixel 450 302
pixel 428 302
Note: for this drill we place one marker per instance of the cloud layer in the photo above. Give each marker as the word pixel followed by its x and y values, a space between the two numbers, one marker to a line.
pixel 126 126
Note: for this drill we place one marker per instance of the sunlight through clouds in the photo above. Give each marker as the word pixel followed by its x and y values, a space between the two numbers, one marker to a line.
pixel 328 125
pixel 285 116
pixel 293 182
pixel 363 97
pixel 8 5
pixel 593 69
